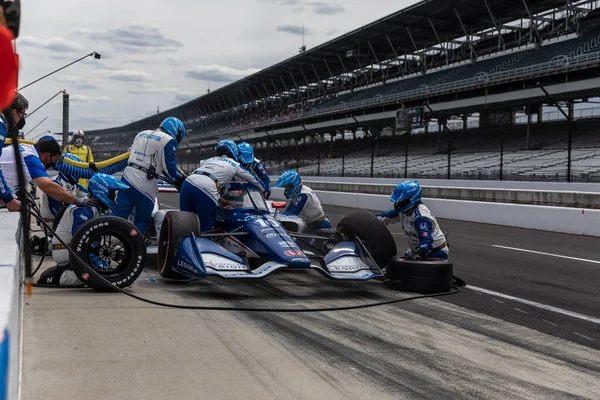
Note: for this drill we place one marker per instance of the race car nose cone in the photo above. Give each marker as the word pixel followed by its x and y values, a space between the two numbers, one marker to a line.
pixel 300 262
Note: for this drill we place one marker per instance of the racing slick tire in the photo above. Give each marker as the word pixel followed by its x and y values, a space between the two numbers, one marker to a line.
pixel 373 232
pixel 131 257
pixel 430 275
pixel 175 225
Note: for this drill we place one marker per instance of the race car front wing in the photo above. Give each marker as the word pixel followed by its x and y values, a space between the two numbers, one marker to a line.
pixel 199 257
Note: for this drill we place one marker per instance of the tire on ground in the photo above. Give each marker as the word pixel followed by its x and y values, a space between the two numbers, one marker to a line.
pixel 134 253
pixel 427 276
pixel 175 225
pixel 373 232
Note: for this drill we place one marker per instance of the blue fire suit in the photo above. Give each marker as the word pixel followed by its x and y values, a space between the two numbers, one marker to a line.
pixel 261 173
pixel 421 230
pixel 200 191
pixel 5 191
pixel 308 207
pixel 152 154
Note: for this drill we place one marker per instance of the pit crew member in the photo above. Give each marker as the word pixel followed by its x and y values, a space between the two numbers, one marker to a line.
pixel 421 229
pixel 80 150
pixel 253 165
pixel 303 202
pixel 152 154
pixel 200 192
pixel 36 159
pixel 102 192
pixel 19 112
pixel 49 205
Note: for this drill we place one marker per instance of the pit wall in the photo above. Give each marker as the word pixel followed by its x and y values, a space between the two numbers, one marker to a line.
pixel 579 221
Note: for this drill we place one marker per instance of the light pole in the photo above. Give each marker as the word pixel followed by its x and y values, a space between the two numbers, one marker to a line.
pixel 96 56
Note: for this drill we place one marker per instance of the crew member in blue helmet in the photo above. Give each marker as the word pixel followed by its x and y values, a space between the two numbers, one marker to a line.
pixel 303 202
pixel 152 154
pixel 102 192
pixel 421 229
pixel 253 165
pixel 200 193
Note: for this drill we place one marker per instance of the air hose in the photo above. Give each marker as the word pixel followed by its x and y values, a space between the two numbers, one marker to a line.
pixel 65 166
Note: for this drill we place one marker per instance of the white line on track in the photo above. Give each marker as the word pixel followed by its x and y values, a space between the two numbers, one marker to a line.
pixel 521 311
pixel 546 254
pixel 548 322
pixel 583 336
pixel 537 305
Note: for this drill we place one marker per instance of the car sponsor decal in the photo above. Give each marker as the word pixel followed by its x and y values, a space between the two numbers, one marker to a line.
pixel 293 253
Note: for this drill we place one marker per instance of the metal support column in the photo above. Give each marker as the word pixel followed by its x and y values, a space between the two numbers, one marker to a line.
pixel 495 23
pixel 406 161
pixel 394 51
pixel 438 39
pixel 473 53
pixel 502 156
pixel 449 154
pixel 528 126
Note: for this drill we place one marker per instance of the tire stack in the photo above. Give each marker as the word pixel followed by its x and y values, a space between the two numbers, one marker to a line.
pixel 428 276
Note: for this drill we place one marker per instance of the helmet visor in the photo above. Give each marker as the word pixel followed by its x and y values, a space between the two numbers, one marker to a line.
pixel 400 205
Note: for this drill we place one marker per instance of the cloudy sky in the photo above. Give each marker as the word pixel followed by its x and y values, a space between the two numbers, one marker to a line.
pixel 164 53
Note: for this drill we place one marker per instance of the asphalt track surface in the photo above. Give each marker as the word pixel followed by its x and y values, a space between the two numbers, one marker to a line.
pixel 82 344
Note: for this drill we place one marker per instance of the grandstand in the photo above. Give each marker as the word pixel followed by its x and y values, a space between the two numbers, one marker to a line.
pixel 360 80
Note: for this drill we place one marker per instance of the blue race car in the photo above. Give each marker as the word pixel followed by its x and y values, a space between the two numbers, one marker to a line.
pixel 252 240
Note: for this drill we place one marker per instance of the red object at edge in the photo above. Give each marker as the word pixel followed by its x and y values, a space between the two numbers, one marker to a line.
pixel 9 68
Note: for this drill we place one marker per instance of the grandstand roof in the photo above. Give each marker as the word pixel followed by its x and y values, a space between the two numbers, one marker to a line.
pixel 420 26
pixel 372 42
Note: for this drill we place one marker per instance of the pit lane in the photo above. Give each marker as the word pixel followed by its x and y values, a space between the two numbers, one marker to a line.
pixel 80 344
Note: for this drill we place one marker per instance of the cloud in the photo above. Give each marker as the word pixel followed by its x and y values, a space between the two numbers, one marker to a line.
pixel 77 82
pixel 55 44
pixel 294 30
pixel 218 73
pixel 81 98
pixel 332 32
pixel 318 7
pixel 184 97
pixel 324 8
pixel 131 38
pixel 153 91
pixel 126 75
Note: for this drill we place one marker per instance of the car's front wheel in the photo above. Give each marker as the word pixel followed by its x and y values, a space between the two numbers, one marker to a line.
pixel 113 247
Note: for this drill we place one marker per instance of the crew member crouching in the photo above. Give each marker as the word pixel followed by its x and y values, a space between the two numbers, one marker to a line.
pixel 102 192
pixel 421 229
pixel 303 202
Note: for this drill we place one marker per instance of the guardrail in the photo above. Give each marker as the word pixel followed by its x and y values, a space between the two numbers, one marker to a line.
pixel 571 199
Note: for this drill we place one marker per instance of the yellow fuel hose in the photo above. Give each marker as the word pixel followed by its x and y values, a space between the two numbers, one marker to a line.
pixel 101 164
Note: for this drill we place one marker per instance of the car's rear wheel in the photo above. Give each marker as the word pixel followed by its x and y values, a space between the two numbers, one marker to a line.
pixel 175 225
pixel 376 236
pixel 430 275
pixel 113 247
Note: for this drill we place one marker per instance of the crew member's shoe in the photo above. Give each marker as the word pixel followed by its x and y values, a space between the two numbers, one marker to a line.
pixel 59 276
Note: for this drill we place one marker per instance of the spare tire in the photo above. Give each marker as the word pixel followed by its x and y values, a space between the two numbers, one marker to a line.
pixel 175 225
pixel 373 232
pixel 430 275
pixel 93 241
